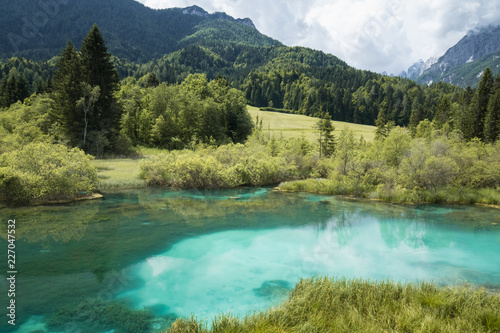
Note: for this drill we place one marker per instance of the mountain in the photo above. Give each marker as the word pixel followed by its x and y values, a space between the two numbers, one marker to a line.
pixel 418 68
pixel 40 30
pixel 464 63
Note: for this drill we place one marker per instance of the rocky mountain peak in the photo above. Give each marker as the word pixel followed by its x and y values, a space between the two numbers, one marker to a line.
pixel 198 11
pixel 195 10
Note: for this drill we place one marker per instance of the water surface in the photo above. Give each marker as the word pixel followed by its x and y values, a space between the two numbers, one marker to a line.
pixel 177 253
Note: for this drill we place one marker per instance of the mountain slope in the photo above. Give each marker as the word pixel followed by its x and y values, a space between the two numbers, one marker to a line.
pixel 132 31
pixel 464 63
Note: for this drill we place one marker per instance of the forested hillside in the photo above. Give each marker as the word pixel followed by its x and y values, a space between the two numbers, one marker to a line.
pixel 40 29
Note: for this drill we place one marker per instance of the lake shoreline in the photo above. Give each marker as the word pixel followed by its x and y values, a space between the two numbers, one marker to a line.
pixel 408 203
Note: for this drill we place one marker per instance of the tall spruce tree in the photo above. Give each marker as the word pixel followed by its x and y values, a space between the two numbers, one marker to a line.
pixel 99 71
pixel 382 123
pixel 479 104
pixel 492 119
pixel 326 137
pixel 443 112
pixel 92 67
pixel 67 90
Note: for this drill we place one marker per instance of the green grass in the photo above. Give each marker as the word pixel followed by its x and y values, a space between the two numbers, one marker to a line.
pixel 293 125
pixel 118 173
pixel 319 305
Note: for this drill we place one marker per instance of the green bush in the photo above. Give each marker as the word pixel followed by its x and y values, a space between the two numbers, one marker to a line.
pixel 42 172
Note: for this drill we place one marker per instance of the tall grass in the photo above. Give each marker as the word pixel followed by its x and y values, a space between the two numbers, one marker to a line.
pixel 329 305
pixel 118 174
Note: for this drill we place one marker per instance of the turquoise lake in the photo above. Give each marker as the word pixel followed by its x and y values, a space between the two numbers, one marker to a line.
pixel 203 253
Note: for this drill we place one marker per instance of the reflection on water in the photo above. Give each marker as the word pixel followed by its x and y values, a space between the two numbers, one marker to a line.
pixel 174 253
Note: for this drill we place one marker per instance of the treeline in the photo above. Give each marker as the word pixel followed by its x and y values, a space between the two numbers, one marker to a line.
pixel 346 94
pixel 20 78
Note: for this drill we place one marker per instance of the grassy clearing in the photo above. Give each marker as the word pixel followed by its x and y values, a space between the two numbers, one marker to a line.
pixel 293 125
pixel 328 305
pixel 118 173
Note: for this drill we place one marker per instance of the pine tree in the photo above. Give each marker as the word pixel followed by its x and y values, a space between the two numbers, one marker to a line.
pixel 22 90
pixel 326 137
pixel 479 104
pixel 13 88
pixel 381 122
pixel 3 93
pixel 67 91
pixel 492 119
pixel 443 112
pixel 99 71
pixel 415 119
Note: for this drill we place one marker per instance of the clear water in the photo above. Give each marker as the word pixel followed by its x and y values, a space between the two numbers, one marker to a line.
pixel 177 253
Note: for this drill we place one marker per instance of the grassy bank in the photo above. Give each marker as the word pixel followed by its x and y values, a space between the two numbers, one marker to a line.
pixel 328 305
pixel 284 125
pixel 118 174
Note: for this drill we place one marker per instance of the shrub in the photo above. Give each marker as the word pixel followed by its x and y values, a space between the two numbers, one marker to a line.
pixel 45 172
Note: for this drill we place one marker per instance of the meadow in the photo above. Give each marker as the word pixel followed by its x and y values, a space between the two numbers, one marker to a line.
pixel 286 125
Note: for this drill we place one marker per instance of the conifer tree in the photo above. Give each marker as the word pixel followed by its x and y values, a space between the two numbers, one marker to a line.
pixel 67 90
pixel 443 112
pixel 479 104
pixel 99 71
pixel 492 119
pixel 381 122
pixel 326 137
pixel 415 119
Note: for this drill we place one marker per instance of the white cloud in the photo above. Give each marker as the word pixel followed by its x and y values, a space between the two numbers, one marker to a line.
pixel 379 35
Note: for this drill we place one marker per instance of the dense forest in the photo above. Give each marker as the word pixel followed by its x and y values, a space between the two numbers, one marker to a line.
pixel 40 29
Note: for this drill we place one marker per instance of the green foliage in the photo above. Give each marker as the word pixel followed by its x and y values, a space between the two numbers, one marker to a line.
pixel 326 137
pixel 67 92
pixel 25 123
pixel 98 70
pixel 19 78
pixel 42 172
pixel 435 168
pixel 328 305
pixel 492 119
pixel 85 105
pixel 255 163
pixel 13 88
pixel 176 116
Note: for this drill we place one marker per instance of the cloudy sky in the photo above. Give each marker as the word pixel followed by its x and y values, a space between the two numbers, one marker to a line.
pixel 379 35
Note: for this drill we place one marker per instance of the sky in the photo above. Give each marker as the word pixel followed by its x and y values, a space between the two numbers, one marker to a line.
pixel 377 35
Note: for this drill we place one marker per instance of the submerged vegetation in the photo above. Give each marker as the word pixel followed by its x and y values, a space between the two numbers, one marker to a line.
pixel 328 305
